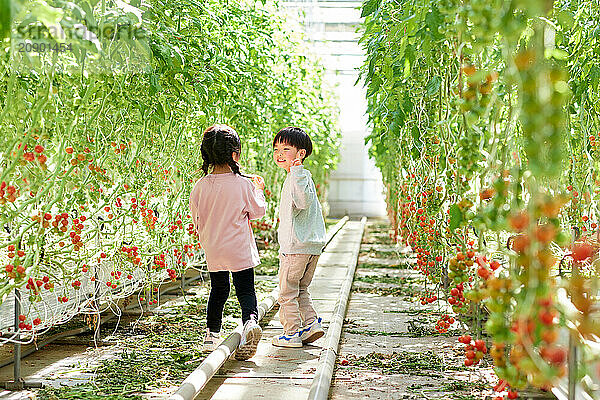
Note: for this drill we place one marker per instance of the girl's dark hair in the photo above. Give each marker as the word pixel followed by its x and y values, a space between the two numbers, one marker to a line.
pixel 218 142
pixel 296 137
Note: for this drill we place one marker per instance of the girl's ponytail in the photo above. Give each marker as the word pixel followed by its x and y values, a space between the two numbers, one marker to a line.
pixel 205 157
pixel 235 167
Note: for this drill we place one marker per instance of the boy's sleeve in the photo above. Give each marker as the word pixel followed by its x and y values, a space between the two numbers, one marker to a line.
pixel 300 184
pixel 256 205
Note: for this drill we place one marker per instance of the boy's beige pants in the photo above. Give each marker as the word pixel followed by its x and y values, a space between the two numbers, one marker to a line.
pixel 295 305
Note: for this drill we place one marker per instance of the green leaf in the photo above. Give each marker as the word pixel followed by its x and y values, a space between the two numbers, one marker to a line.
pixel 375 84
pixel 594 77
pixel 5 18
pixel 433 85
pixel 433 20
pixel 370 7
pixel 416 135
pixel 49 16
pixel 406 73
pixel 154 85
pixel 557 54
pixel 407 105
pixel 89 13
pixel 456 217
pixel 415 153
pixel 160 113
pixel 565 19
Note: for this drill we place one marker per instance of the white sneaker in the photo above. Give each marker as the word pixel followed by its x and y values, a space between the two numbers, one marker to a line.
pixel 249 341
pixel 292 340
pixel 312 331
pixel 212 340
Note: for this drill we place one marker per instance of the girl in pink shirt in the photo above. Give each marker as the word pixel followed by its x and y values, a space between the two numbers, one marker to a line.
pixel 222 204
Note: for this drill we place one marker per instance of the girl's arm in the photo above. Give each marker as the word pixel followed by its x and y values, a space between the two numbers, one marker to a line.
pixel 194 208
pixel 256 205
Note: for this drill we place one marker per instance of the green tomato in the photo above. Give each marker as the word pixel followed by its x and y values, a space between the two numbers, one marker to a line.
pixel 484 101
pixel 563 239
pixel 472 118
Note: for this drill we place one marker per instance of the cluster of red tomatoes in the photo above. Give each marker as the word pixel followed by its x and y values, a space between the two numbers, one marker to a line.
pixel 35 287
pixel 188 248
pixel 191 230
pixel 30 156
pixel 501 386
pixel 16 271
pixel 150 219
pixel 261 225
pixel 9 191
pixel 179 257
pixel 424 264
pixel 172 274
pixel 116 276
pixel 132 254
pixel 428 298
pixel 121 147
pixel 159 261
pixel 177 225
pixel 444 323
pixel 61 226
pixel 25 326
pixel 474 350
pixel 457 298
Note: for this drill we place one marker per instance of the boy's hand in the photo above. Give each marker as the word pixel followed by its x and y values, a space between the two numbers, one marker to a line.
pixel 258 182
pixel 296 162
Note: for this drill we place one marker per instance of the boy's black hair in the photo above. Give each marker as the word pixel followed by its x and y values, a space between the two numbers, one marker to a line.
pixel 218 143
pixel 296 137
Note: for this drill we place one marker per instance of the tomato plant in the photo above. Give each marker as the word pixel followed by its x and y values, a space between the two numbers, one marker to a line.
pixel 484 126
pixel 101 135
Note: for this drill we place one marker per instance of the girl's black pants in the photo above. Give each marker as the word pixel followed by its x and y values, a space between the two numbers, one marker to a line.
pixel 243 281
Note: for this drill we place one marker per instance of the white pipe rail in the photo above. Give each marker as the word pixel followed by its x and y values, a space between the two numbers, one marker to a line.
pixel 195 382
pixel 319 389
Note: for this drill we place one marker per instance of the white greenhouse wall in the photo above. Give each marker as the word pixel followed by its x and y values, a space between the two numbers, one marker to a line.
pixel 330 27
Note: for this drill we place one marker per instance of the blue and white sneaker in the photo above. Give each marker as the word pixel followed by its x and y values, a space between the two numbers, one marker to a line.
pixel 292 340
pixel 312 331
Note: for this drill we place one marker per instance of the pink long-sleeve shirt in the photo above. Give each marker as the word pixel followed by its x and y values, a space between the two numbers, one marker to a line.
pixel 221 206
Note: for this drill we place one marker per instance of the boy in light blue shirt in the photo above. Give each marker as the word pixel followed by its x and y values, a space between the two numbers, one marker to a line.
pixel 301 237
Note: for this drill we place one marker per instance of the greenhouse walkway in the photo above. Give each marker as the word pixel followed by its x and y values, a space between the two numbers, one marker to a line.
pixel 282 373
